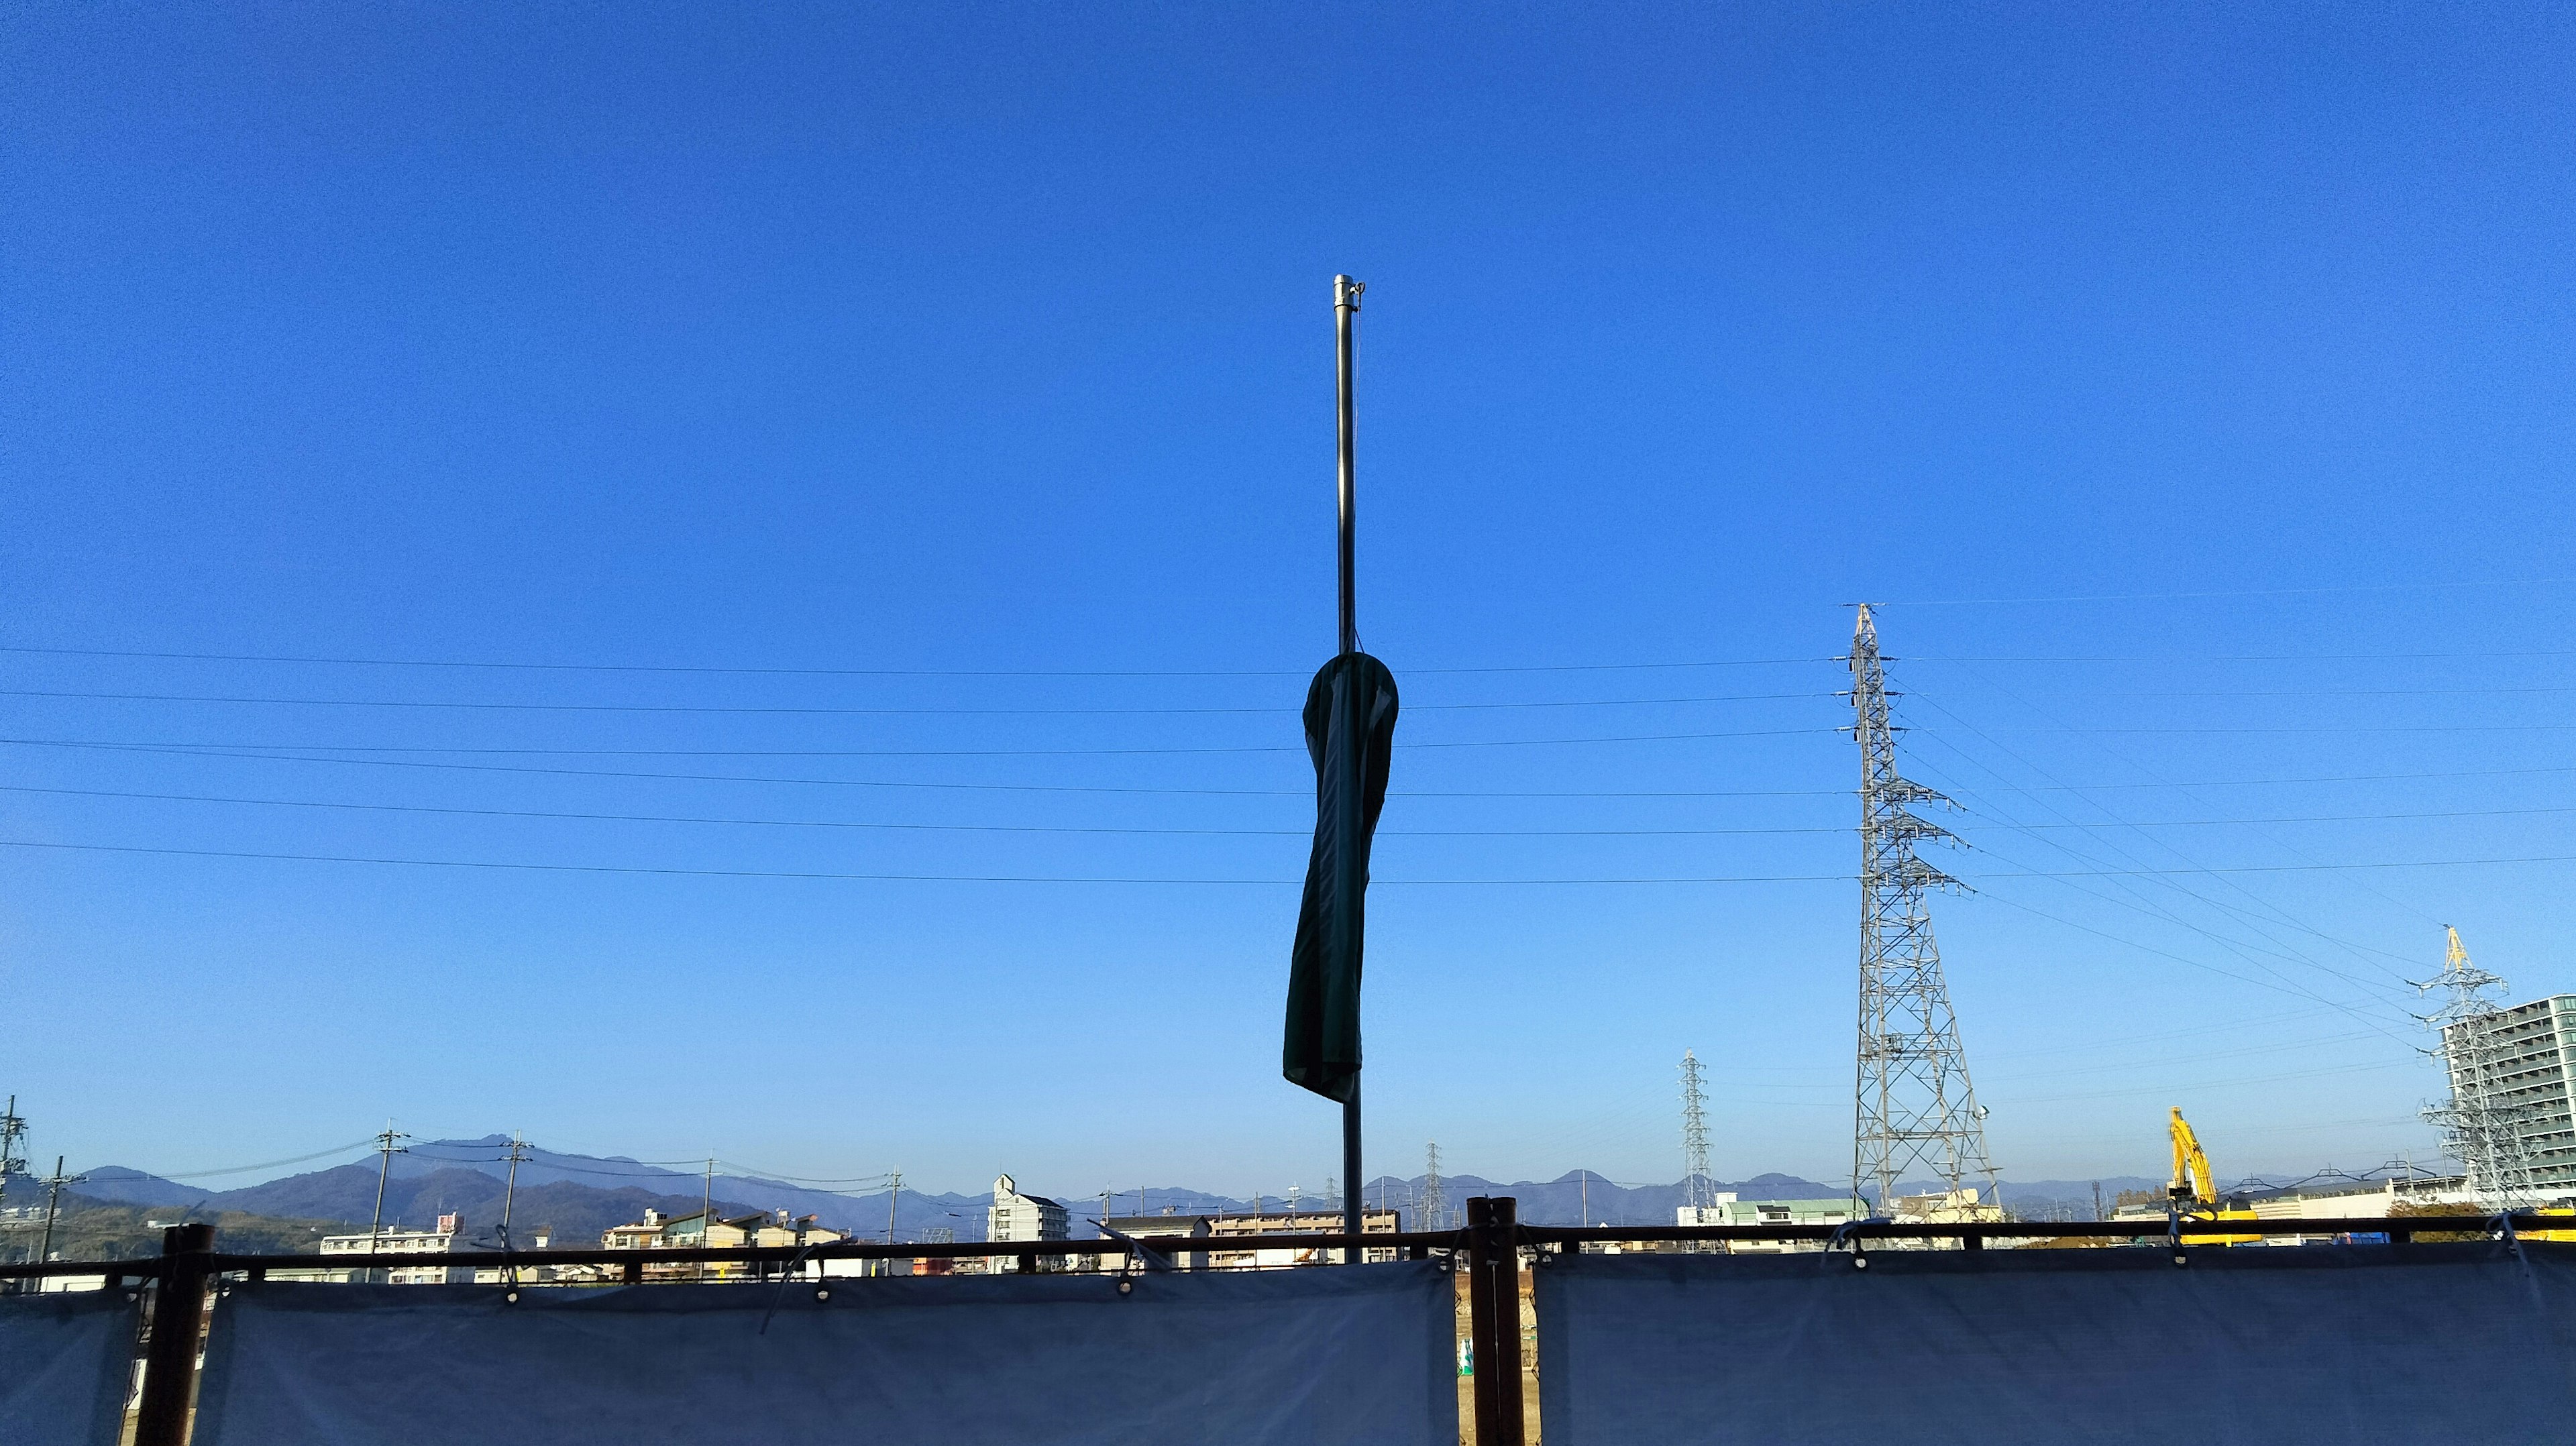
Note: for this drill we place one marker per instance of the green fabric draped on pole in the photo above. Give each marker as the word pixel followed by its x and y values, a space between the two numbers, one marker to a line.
pixel 1350 725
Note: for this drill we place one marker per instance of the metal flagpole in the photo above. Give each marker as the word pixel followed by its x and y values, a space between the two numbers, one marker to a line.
pixel 1346 308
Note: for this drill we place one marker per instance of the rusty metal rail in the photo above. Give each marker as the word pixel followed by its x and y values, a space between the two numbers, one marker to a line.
pixel 1414 1243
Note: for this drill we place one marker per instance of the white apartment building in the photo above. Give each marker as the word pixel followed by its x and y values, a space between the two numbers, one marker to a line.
pixel 426 1243
pixel 2537 1080
pixel 1016 1215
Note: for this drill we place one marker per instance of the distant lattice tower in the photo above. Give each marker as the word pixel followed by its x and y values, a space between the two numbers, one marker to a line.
pixel 1435 1210
pixel 1696 1190
pixel 2481 1127
pixel 13 1132
pixel 1914 1106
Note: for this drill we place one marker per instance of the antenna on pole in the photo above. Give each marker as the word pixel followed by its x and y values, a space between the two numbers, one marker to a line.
pixel 1913 1103
pixel 1346 312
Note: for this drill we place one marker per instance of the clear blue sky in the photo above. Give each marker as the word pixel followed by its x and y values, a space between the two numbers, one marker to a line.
pixel 974 367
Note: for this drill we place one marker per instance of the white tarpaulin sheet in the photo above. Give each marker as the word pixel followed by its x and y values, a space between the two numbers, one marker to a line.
pixel 1347 1355
pixel 66 1361
pixel 2452 1343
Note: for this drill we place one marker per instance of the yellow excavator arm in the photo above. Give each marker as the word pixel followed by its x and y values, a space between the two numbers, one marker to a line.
pixel 2194 1190
pixel 2191 1182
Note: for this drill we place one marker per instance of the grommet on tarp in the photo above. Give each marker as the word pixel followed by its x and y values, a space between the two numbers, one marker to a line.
pixel 1126 1286
pixel 822 1292
pixel 786 1278
pixel 1848 1233
pixel 511 1296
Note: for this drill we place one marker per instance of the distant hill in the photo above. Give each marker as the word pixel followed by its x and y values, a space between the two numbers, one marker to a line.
pixel 575 1197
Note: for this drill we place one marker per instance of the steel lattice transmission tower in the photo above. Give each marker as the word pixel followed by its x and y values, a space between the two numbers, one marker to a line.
pixel 1914 1106
pixel 1695 1185
pixel 2481 1127
pixel 1435 1210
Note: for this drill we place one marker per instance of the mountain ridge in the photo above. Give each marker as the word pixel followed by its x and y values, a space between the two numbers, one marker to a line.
pixel 580 1195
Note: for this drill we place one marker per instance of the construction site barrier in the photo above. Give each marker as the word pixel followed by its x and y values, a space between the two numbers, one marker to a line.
pixel 1295 1347
pixel 2458 1343
pixel 66 1361
pixel 1359 1354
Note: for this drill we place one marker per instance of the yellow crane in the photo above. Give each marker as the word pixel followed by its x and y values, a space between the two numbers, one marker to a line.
pixel 2194 1193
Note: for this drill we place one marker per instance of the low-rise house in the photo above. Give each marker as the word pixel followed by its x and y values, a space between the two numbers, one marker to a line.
pixel 769 1230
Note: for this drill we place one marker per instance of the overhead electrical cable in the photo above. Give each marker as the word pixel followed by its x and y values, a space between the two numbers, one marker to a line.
pixel 1951 602
pixel 1265 748
pixel 1264 883
pixel 296 753
pixel 2168 847
pixel 683 668
pixel 462 705
pixel 2131 896
pixel 2293 850
pixel 904 827
pixel 367 1143
pixel 585 817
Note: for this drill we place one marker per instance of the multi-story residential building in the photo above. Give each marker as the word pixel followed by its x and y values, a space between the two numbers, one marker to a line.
pixel 1178 1236
pixel 1017 1215
pixel 2534 1049
pixel 425 1243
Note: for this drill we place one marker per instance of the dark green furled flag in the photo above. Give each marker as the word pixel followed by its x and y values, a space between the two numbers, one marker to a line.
pixel 1350 724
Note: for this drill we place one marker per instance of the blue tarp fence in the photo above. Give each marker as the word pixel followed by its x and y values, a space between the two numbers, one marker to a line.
pixel 2457 1343
pixel 1355 1355
pixel 66 1363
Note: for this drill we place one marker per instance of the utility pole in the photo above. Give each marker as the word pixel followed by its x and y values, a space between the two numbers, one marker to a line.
pixel 54 1184
pixel 2480 1125
pixel 388 1144
pixel 707 1216
pixel 510 1196
pixel 1913 1103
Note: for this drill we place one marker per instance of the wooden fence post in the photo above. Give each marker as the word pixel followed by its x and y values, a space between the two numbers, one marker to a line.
pixel 178 1313
pixel 1506 1257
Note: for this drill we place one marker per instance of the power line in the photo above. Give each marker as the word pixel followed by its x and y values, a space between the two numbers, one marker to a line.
pixel 1092 879
pixel 2258 833
pixel 905 827
pixel 2232 592
pixel 461 705
pixel 268 1164
pixel 872 672
pixel 274 752
pixel 573 816
pixel 2284 916
pixel 1245 749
